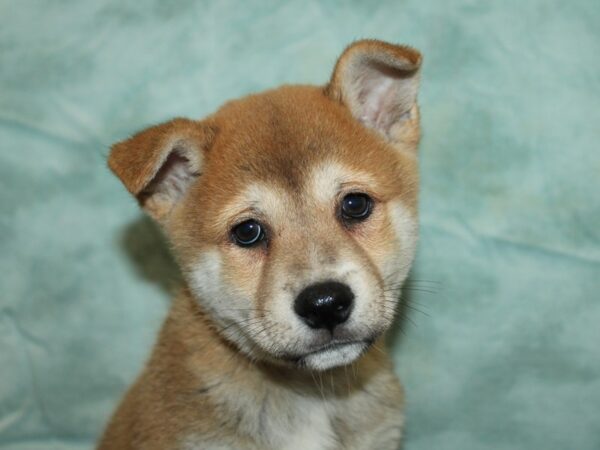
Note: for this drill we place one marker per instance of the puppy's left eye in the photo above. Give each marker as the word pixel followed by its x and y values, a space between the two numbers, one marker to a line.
pixel 248 233
pixel 356 206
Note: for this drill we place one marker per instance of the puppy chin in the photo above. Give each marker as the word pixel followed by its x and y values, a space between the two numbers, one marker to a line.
pixel 334 356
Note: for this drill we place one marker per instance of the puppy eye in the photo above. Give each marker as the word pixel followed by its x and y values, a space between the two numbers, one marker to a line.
pixel 356 206
pixel 248 233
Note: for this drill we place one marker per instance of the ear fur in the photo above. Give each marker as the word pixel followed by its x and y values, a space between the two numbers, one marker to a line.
pixel 378 83
pixel 159 164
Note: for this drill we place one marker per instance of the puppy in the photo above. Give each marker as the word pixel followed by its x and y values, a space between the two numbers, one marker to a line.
pixel 293 216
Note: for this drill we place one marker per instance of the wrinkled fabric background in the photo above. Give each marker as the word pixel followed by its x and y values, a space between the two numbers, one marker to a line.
pixel 501 348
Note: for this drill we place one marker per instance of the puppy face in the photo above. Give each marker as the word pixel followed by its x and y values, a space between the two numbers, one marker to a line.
pixel 293 212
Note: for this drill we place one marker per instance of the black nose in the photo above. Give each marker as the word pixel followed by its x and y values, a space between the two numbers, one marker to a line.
pixel 324 305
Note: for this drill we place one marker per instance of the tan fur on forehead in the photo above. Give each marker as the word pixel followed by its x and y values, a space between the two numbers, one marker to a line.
pixel 276 135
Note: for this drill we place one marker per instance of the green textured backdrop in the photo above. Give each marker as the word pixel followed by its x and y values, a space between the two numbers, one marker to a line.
pixel 505 354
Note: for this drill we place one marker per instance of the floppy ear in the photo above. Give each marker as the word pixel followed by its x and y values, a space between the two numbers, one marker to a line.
pixel 159 164
pixel 378 82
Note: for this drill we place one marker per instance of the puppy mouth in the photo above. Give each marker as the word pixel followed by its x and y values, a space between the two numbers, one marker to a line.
pixel 333 346
pixel 331 355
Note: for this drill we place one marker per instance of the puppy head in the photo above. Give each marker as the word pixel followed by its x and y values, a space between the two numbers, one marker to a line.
pixel 293 212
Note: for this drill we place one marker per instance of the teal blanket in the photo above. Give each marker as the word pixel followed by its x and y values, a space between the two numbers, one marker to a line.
pixel 501 347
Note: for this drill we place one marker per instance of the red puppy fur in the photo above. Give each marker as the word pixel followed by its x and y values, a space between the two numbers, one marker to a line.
pixel 293 215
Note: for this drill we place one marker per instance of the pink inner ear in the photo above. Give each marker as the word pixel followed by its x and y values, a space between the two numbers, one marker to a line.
pixel 384 94
pixel 173 178
pixel 377 100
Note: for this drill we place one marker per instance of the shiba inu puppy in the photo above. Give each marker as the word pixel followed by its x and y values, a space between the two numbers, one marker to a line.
pixel 293 216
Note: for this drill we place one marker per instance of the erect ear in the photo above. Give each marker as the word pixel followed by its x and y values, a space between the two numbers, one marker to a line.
pixel 378 82
pixel 159 164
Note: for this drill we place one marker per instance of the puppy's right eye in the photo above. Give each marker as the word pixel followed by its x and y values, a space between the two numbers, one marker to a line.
pixel 247 233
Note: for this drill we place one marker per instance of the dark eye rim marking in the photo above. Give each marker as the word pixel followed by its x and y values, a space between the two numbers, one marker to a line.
pixel 254 240
pixel 354 217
